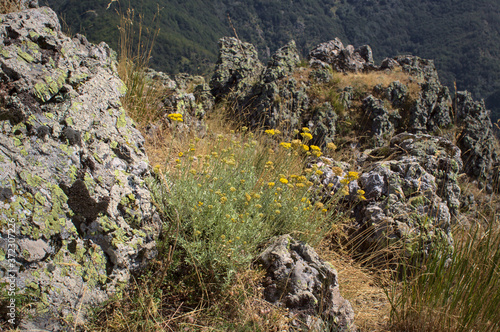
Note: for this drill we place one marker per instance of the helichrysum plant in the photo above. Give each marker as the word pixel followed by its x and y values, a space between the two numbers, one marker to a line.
pixel 239 193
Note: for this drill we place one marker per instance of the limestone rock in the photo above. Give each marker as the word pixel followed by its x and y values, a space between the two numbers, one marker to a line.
pixel 300 281
pixel 72 171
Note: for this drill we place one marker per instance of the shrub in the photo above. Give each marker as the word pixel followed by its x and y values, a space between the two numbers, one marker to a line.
pixel 243 190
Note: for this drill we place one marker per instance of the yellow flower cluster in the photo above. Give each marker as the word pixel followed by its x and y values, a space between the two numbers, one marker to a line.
pixel 175 117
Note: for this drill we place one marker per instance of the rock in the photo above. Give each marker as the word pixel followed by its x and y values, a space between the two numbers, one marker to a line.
pixel 412 195
pixel 421 69
pixel 187 95
pixel 340 58
pixel 237 69
pixel 72 172
pixel 383 121
pixel 476 140
pixel 300 281
pixel 432 110
pixel 282 63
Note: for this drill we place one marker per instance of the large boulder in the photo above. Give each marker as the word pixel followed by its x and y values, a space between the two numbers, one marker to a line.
pixel 72 172
pixel 299 280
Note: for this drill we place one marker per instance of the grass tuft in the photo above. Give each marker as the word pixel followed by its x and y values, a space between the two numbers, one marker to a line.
pixel 453 290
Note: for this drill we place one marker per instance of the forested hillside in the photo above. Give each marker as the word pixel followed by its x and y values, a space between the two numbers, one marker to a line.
pixel 463 37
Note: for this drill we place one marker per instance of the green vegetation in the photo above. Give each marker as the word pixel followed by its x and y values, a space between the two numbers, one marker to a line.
pixel 452 290
pixel 462 37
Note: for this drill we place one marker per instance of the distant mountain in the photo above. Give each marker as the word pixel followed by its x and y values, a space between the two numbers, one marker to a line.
pixel 462 36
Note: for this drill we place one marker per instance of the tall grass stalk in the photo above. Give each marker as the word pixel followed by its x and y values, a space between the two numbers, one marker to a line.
pixel 452 291
pixel 144 96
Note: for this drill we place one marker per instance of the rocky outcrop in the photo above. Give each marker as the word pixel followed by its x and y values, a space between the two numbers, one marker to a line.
pixel 340 58
pixel 412 195
pixel 299 280
pixel 187 95
pixel 237 68
pixel 476 139
pixel 73 171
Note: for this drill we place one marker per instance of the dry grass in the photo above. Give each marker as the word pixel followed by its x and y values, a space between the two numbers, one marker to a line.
pixel 10 6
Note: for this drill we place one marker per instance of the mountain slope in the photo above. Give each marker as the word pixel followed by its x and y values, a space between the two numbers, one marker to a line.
pixel 463 37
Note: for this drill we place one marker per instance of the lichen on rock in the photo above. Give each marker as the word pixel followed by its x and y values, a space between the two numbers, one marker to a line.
pixel 77 242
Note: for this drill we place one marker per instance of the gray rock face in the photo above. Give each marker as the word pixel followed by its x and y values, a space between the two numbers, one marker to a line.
pixel 413 194
pixel 384 121
pixel 340 58
pixel 237 68
pixel 72 170
pixel 477 141
pixel 299 280
pixel 432 110
pixel 422 69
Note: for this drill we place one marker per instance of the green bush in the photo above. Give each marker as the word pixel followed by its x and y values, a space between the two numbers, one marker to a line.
pixel 225 202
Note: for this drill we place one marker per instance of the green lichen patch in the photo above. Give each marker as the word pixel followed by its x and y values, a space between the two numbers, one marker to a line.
pixel 24 56
pixel 122 119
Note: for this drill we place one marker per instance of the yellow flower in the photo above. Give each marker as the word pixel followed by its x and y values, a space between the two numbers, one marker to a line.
pixel 248 197
pixel 232 189
pixel 306 136
pixel 200 203
pixel 295 143
pixel 261 215
pixel 318 172
pixel 257 196
pixel 277 211
pixel 295 131
pixel 324 210
pixel 361 192
pixel 175 117
pixel 271 184
pixel 283 180
pixel 302 178
pixel 308 170
pixel 244 128
pixel 315 148
pixel 270 132
pixel 258 206
pixel 286 145
pixel 197 233
pixel 178 161
pixel 242 181
pixel 181 154
pixel 269 164
pixel 300 185
pixel 330 185
pixel 210 207
pixel 319 205
pixel 317 153
pixel 331 146
pixel 290 185
pixel 337 171
pixel 222 236
pixel 156 169
pixel 306 130
pixel 305 147
pixel 353 175
pixel 192 171
pixel 223 200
